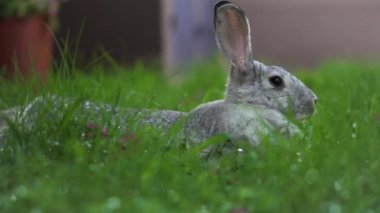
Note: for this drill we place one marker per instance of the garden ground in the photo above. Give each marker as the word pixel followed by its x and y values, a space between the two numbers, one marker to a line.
pixel 55 168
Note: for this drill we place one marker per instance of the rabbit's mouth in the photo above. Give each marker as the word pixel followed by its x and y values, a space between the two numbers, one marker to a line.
pixel 305 114
pixel 305 109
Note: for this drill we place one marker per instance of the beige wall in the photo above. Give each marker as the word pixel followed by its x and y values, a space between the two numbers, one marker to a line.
pixel 306 32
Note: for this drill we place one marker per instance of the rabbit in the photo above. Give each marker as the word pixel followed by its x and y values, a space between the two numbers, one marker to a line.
pixel 257 100
pixel 257 96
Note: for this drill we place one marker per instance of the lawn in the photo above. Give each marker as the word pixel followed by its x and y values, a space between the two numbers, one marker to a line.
pixel 65 165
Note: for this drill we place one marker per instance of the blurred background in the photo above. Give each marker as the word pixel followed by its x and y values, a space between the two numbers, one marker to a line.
pixel 291 32
pixel 173 32
pixel 295 33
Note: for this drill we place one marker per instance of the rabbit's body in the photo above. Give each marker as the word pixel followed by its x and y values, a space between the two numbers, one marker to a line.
pixel 257 96
pixel 239 121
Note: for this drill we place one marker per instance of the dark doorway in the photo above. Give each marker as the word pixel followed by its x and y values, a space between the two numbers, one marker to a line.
pixel 128 30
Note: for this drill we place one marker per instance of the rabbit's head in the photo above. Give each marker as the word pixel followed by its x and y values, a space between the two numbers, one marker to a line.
pixel 251 81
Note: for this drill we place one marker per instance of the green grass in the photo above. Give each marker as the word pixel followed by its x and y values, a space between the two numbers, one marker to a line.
pixel 334 168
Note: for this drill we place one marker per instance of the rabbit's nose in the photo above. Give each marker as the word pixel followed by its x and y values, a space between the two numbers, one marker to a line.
pixel 315 97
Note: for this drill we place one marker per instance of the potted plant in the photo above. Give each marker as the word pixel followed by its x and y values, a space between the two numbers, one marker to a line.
pixel 26 36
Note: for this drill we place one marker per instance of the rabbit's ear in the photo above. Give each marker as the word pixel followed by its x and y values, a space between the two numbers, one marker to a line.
pixel 232 34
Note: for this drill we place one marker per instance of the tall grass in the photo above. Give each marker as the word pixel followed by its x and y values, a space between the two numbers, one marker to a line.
pixel 63 165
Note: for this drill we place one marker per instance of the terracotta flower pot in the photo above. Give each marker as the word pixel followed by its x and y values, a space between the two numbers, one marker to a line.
pixel 25 46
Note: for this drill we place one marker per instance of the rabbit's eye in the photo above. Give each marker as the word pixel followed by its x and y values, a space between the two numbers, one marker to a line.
pixel 276 81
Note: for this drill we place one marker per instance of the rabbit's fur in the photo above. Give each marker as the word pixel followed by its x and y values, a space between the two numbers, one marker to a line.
pixel 257 96
pixel 253 103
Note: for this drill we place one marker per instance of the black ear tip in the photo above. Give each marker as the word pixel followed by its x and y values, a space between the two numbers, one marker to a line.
pixel 219 4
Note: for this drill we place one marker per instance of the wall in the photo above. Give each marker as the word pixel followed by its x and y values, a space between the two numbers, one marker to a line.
pixel 304 33
pixel 187 32
pixel 291 33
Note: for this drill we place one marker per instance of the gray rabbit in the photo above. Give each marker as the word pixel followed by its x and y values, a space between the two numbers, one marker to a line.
pixel 258 97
